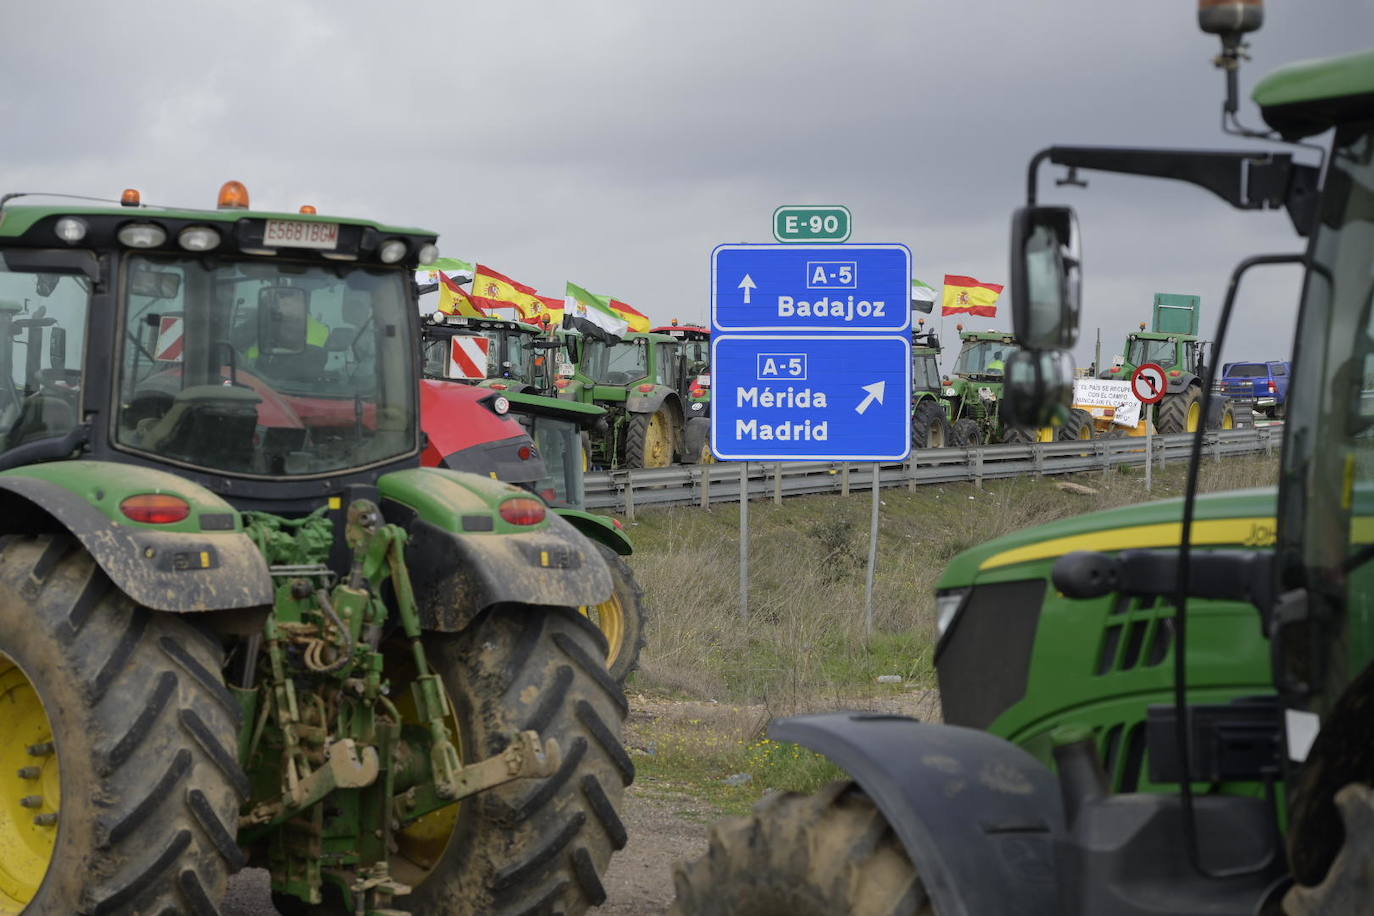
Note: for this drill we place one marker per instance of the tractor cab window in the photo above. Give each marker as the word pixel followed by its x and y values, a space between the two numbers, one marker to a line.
pixel 436 350
pixel 1163 352
pixel 925 372
pixel 264 369
pixel 984 357
pixel 618 363
pixel 667 360
pixel 515 357
pixel 560 444
pixel 42 343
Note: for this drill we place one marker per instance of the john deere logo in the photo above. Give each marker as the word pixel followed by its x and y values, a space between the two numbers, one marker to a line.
pixel 1260 536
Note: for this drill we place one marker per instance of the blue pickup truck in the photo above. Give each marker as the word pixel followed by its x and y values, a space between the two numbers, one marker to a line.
pixel 1266 382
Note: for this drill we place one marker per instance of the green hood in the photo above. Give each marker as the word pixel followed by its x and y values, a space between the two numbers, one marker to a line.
pixel 1239 517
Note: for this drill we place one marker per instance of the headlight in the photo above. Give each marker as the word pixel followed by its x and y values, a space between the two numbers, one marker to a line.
pixel 198 238
pixel 142 235
pixel 392 250
pixel 501 405
pixel 428 254
pixel 947 605
pixel 70 229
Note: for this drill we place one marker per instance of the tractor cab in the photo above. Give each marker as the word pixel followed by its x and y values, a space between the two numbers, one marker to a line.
pixel 694 365
pixel 489 352
pixel 975 391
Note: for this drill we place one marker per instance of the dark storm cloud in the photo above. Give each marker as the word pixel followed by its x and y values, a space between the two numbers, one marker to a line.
pixel 616 143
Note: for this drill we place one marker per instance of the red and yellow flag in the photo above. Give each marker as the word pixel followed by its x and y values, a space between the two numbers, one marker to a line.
pixel 501 292
pixel 967 296
pixel 552 316
pixel 636 319
pixel 454 300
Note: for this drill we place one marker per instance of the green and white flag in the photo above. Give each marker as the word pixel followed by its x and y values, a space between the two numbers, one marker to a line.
pixel 592 315
pixel 922 296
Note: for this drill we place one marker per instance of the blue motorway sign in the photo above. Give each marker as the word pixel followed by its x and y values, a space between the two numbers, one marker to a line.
pixel 801 288
pixel 799 397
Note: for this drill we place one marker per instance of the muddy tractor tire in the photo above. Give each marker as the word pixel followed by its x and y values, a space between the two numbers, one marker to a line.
pixel 1019 435
pixel 966 433
pixel 649 439
pixel 621 618
pixel 1078 427
pixel 118 746
pixel 532 845
pixel 1179 413
pixel 803 855
pixel 696 447
pixel 929 426
pixel 1221 414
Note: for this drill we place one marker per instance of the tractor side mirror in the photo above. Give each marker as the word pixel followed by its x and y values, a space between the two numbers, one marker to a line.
pixel 1037 387
pixel 283 319
pixel 1046 270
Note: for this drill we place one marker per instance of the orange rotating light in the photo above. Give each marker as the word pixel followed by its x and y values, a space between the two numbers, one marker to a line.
pixel 233 196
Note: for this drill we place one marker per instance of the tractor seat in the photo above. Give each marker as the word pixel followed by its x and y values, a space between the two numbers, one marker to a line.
pixel 298 367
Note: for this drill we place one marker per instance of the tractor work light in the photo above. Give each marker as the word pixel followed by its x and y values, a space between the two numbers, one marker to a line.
pixel 155 508
pixel 198 238
pixel 522 510
pixel 130 198
pixel 392 250
pixel 501 406
pixel 232 196
pixel 429 253
pixel 141 235
pixel 70 229
pixel 308 209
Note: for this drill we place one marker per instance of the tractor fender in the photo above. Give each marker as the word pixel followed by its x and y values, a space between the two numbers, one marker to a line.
pixel 1182 382
pixel 215 568
pixel 458 575
pixel 977 815
pixel 599 528
pixel 650 401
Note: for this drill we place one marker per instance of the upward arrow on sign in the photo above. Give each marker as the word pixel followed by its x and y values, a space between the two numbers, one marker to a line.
pixel 747 284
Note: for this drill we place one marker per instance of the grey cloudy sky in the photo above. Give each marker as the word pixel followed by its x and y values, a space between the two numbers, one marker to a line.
pixel 616 143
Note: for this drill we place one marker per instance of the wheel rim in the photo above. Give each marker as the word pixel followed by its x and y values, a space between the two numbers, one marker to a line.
pixel 1228 421
pixel 936 437
pixel 1194 416
pixel 30 790
pixel 657 442
pixel 609 617
pixel 420 846
pixel 1085 432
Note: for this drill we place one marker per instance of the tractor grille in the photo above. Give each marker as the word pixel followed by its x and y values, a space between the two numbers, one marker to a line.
pixel 985 658
pixel 1138 634
pixel 1122 750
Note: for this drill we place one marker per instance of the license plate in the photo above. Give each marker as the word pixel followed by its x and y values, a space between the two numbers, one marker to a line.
pixel 290 233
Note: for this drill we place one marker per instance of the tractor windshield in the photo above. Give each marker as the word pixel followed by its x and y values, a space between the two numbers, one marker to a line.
pixel 516 356
pixel 984 357
pixel 560 444
pixel 42 343
pixel 1161 352
pixel 616 364
pixel 925 372
pixel 265 369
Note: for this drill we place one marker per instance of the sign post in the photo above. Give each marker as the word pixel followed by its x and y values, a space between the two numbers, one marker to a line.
pixel 1149 386
pixel 811 357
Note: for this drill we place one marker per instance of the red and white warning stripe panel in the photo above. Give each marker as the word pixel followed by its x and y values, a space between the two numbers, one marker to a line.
pixel 170 339
pixel 467 357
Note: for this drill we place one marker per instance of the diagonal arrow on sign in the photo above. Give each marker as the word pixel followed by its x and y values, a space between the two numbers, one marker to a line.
pixel 875 393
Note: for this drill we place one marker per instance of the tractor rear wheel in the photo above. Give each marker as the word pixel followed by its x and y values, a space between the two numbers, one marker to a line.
pixel 533 845
pixel 803 855
pixel 621 617
pixel 1019 435
pixel 1078 426
pixel 966 433
pixel 1180 413
pixel 697 441
pixel 119 775
pixel 649 440
pixel 929 426
pixel 1221 414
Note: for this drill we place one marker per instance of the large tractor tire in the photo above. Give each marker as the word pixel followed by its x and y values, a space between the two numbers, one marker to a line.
pixel 1078 426
pixel 1020 435
pixel 621 617
pixel 649 439
pixel 532 845
pixel 929 426
pixel 696 447
pixel 1221 414
pixel 119 776
pixel 1179 413
pixel 966 433
pixel 803 855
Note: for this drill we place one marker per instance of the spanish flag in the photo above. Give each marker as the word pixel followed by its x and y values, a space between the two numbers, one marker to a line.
pixel 501 292
pixel 636 319
pixel 967 296
pixel 454 300
pixel 552 315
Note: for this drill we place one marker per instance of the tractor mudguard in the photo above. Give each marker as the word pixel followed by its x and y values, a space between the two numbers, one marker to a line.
pixel 650 401
pixel 598 528
pixel 978 816
pixel 204 563
pixel 1181 382
pixel 456 576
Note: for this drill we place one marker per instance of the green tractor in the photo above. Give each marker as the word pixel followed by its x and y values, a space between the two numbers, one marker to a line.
pixel 930 409
pixel 639 380
pixel 975 396
pixel 1164 709
pixel 1173 344
pixel 694 354
pixel 239 623
pixel 489 352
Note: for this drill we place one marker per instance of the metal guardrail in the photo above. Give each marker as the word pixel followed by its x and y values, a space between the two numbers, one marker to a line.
pixel 706 484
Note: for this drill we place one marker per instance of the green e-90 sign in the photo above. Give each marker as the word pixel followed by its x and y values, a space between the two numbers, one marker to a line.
pixel 811 224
